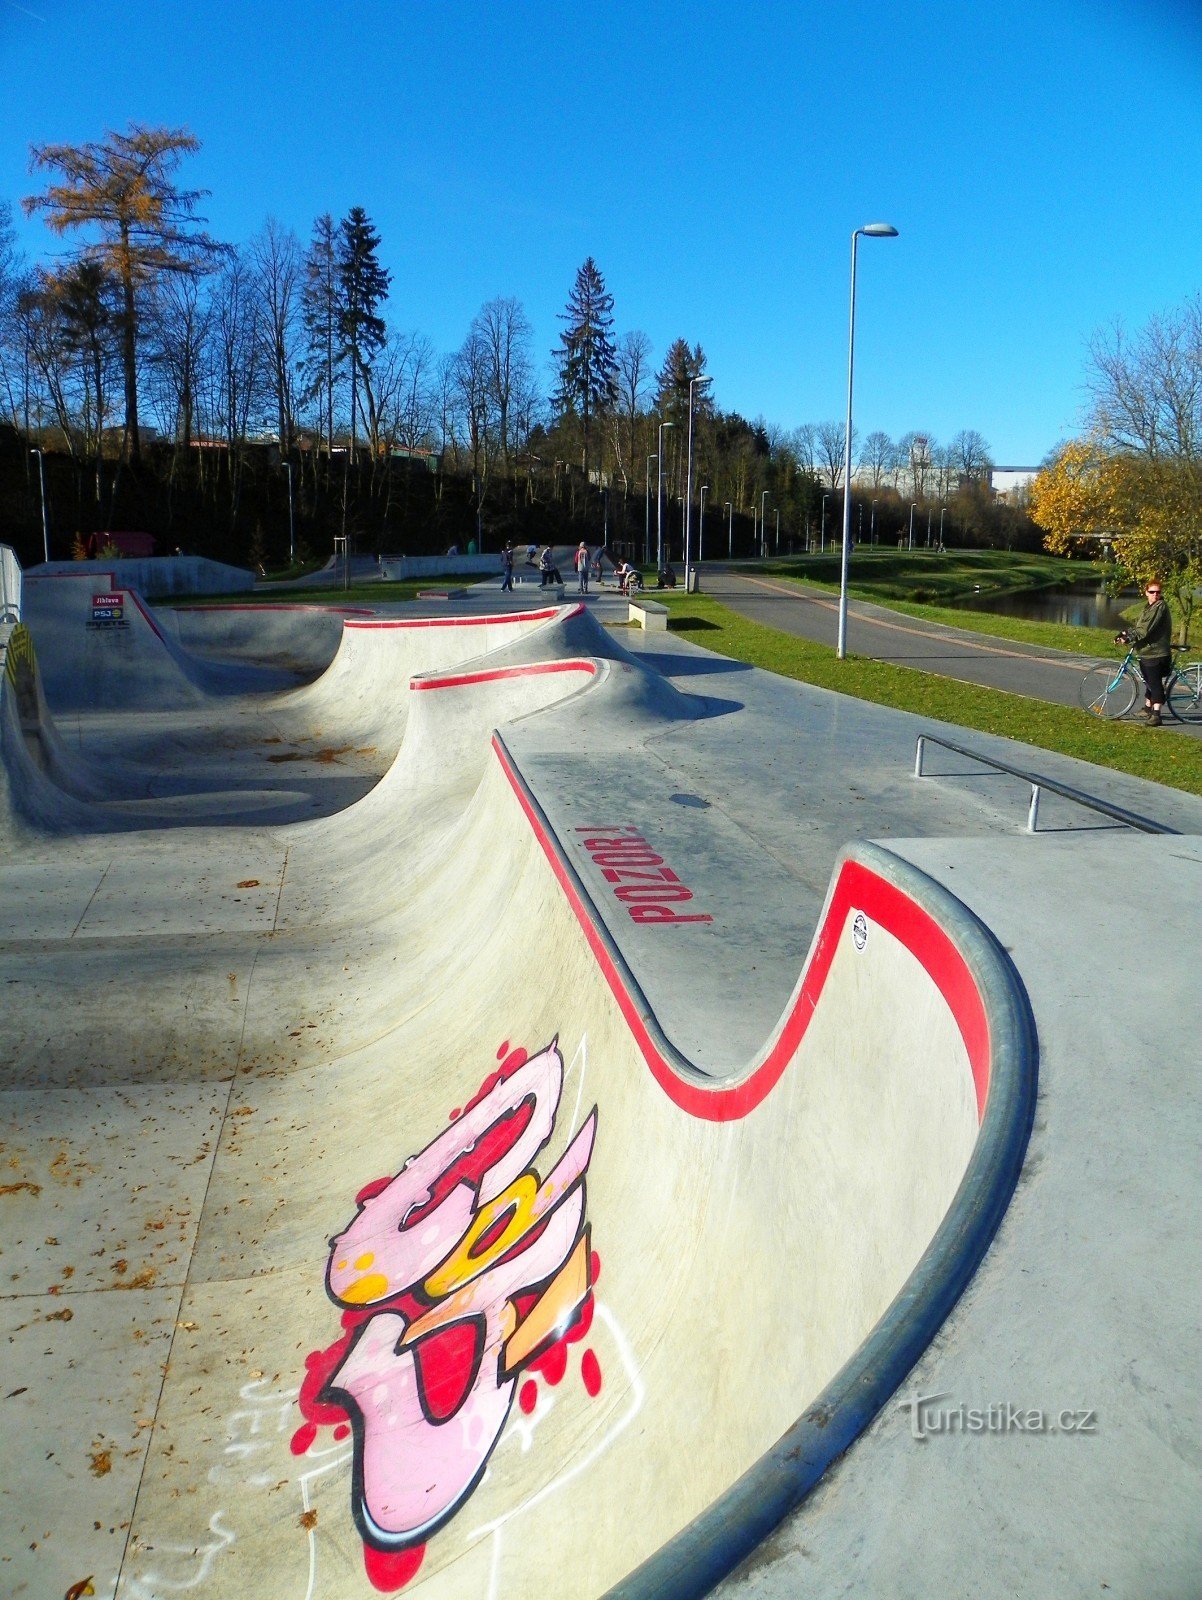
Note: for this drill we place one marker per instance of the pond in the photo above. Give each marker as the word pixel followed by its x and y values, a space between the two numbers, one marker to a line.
pixel 1083 605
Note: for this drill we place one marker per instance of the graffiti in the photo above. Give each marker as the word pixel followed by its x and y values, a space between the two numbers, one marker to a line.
pixel 21 670
pixel 649 890
pixel 457 1277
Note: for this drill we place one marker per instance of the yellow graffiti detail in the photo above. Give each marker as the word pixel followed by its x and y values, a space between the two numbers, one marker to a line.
pixel 372 1286
pixel 464 1264
pixel 363 1262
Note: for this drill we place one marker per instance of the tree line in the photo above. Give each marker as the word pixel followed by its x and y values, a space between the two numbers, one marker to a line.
pixel 225 396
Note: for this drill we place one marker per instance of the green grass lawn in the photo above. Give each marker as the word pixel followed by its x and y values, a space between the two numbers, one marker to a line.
pixel 1162 756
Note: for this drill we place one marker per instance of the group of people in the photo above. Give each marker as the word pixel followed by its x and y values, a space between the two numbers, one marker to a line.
pixel 585 563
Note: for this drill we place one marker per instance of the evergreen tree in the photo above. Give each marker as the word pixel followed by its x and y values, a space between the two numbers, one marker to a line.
pixel 585 357
pixel 363 283
pixel 320 311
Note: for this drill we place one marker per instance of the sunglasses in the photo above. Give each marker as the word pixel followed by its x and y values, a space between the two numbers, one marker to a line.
pixel 1152 591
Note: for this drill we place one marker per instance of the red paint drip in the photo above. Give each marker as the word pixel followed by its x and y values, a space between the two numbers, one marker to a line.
pixel 590 1371
pixel 341 1431
pixel 554 1364
pixel 528 1396
pixel 390 1570
pixel 501 1053
pixel 303 1438
pixel 594 1267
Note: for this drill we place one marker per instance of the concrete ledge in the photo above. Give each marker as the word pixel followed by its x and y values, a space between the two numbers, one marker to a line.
pixel 650 615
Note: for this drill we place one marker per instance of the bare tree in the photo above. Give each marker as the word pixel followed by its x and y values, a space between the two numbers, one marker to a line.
pixel 968 456
pixel 876 456
pixel 1146 394
pixel 829 439
pixel 278 264
pixel 634 375
pixel 505 333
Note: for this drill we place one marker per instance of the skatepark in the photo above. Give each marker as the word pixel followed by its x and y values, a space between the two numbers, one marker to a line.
pixel 497 1102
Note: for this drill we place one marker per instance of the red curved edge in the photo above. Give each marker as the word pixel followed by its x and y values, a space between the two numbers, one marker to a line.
pixel 341 611
pixel 493 673
pixel 857 888
pixel 472 622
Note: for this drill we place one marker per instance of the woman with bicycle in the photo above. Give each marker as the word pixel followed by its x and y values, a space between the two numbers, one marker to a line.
pixel 1152 637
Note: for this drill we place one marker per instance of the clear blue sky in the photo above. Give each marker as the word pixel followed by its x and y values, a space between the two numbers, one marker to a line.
pixel 1041 158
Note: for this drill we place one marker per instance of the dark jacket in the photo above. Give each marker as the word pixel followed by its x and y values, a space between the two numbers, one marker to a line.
pixel 1152 635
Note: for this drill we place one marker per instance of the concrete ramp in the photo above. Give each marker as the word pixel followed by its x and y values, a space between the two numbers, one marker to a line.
pixel 367 1234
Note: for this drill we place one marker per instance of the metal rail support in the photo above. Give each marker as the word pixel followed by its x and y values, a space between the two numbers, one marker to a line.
pixel 1131 819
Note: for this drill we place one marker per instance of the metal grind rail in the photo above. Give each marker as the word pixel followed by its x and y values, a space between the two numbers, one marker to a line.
pixel 1132 819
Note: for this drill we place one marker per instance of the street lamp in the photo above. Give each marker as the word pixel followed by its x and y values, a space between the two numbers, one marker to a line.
pixel 942 514
pixel 45 522
pixel 701 526
pixel 822 529
pixel 291 523
pixel 688 492
pixel 730 534
pixel 910 542
pixel 872 524
pixel 872 230
pixel 647 527
pixel 930 514
pixel 764 523
pixel 659 498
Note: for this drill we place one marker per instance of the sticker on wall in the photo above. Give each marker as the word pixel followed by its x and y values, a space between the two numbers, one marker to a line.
pixel 859 930
pixel 459 1275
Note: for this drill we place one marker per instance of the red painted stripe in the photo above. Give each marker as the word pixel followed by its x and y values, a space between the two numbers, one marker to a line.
pixel 491 676
pixel 470 622
pixel 856 889
pixel 340 611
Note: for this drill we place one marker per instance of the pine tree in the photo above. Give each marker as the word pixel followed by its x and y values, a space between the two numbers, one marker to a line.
pixel 364 286
pixel 587 363
pixel 320 303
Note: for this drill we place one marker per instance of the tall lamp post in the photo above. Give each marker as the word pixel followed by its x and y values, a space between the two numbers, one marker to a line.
pixel 730 530
pixel 910 540
pixel 942 514
pixel 822 528
pixel 764 523
pixel 705 489
pixel 291 522
pixel 872 230
pixel 688 492
pixel 872 525
pixel 659 498
pixel 45 521
pixel 647 528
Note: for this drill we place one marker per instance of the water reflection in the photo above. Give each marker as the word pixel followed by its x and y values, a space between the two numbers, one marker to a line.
pixel 1083 605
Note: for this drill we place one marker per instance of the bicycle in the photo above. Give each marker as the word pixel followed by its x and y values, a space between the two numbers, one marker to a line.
pixel 1110 691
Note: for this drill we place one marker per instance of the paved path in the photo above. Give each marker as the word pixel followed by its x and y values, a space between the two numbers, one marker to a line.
pixel 884 635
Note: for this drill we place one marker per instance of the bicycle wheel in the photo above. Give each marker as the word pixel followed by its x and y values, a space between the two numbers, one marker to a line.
pixel 1107 691
pixel 1185 695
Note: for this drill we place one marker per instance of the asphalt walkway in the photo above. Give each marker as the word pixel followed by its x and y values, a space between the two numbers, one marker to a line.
pixel 884 635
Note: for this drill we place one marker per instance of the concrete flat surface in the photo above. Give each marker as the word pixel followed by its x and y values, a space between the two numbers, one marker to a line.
pixel 460 1186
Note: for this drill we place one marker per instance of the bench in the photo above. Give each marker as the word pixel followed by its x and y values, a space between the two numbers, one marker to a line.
pixel 649 614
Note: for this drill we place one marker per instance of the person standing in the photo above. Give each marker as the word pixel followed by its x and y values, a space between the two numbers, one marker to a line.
pixel 507 566
pixel 583 560
pixel 1152 637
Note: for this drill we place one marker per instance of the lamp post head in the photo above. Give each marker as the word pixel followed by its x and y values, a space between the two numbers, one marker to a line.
pixel 878 230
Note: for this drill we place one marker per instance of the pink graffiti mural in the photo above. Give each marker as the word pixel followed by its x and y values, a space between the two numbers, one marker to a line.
pixel 456 1276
